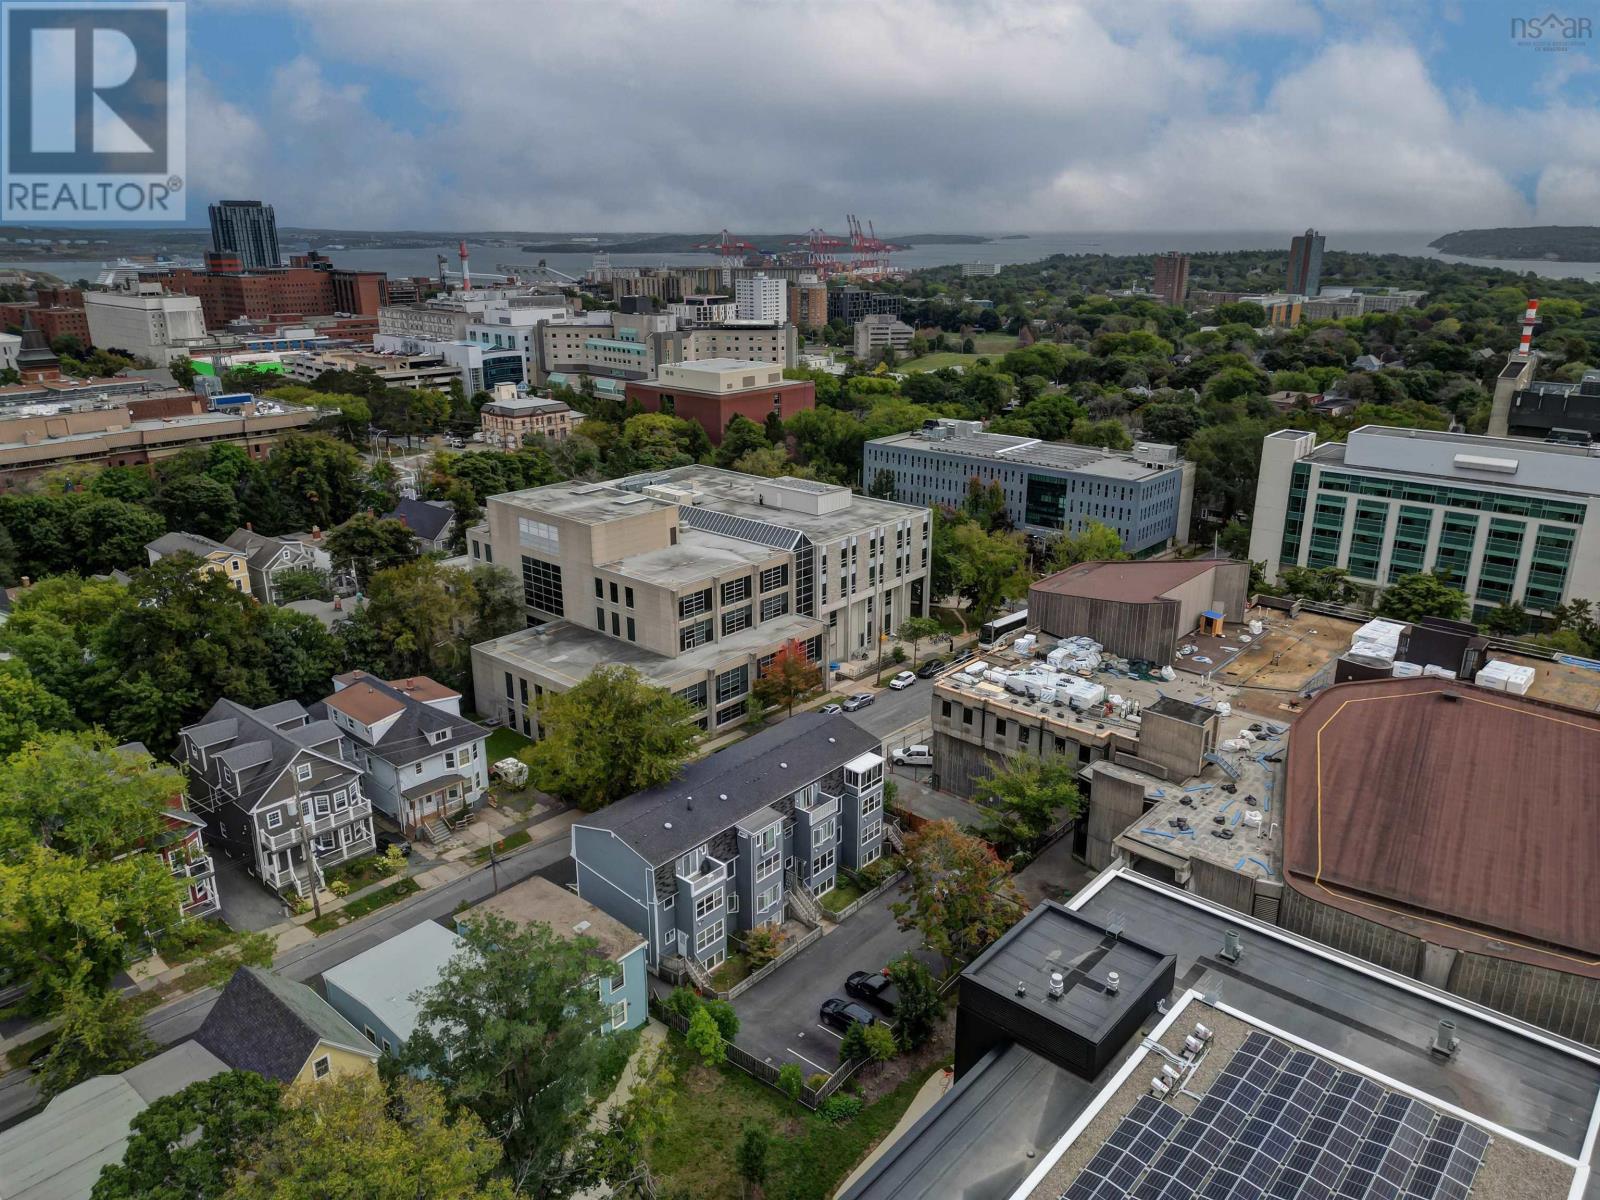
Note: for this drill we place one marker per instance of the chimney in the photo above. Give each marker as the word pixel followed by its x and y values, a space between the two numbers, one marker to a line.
pixel 26 582
pixel 249 527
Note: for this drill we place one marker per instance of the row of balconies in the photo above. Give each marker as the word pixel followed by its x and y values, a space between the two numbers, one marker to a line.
pixel 293 835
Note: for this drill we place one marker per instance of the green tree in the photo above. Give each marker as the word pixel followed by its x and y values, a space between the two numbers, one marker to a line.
pixel 726 1018
pixel 989 567
pixel 882 486
pixel 880 1043
pixel 1424 594
pixel 320 481
pixel 769 462
pixel 1508 620
pixel 418 613
pixel 187 1145
pixel 98 1033
pixel 183 372
pixel 1328 585
pixel 496 603
pixel 616 1154
pixel 791 1080
pixel 959 894
pixel 1097 543
pixel 705 1039
pixel 853 1045
pixel 1227 459
pixel 751 1157
pixel 918 1007
pixel 302 655
pixel 512 1033
pixel 355 1137
pixel 367 544
pixel 986 504
pixel 301 583
pixel 740 438
pixel 1024 799
pixel 198 504
pixel 1170 422
pixel 788 677
pixel 27 709
pixel 577 759
pixel 916 630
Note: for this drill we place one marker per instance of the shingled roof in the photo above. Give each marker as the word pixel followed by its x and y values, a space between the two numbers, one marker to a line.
pixel 270 1025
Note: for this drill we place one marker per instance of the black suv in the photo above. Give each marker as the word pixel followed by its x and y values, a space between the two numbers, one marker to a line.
pixel 872 986
pixel 930 668
pixel 842 1014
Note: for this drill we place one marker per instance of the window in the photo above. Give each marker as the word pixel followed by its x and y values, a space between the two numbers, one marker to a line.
pixel 707 905
pixel 302 771
pixel 730 713
pixel 733 622
pixel 616 626
pixel 871 832
pixel 966 716
pixel 733 683
pixel 736 590
pixel 323 806
pixel 872 855
pixel 613 591
pixel 632 631
pixel 387 1048
pixel 766 899
pixel 695 694
pixel 341 799
pixel 709 936
pixel 822 833
pixel 768 840
pixel 944 708
pixel 371 1037
pixel 822 863
pixel 619 1014
pixel 541 586
pixel 699 634
pixel 600 619
pixel 322 1067
pixel 774 606
pixel 774 577
pixel 999 727
pixel 1022 735
pixel 766 867
pixel 694 605
pixel 599 589
pixel 536 535
pixel 628 596
pixel 666 905
pixel 274 819
pixel 871 804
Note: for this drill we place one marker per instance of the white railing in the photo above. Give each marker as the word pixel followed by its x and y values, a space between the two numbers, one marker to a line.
pixel 821 804
pixel 293 835
pixel 720 873
pixel 193 868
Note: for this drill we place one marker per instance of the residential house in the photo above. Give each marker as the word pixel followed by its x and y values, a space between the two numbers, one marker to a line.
pixel 729 843
pixel 377 990
pixel 433 522
pixel 624 990
pixel 276 785
pixel 341 579
pixel 215 558
pixel 58 1153
pixel 421 761
pixel 182 848
pixel 268 557
pixel 283 1031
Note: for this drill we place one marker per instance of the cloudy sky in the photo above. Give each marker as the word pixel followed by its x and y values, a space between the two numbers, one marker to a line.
pixel 983 115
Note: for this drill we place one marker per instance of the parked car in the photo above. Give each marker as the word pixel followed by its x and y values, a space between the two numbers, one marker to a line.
pixel 828 710
pixel 930 668
pixel 913 756
pixel 960 656
pixel 841 1014
pixel 385 840
pixel 858 701
pixel 903 680
pixel 875 987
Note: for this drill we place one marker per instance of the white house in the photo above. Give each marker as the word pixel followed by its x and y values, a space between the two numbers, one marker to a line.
pixel 421 761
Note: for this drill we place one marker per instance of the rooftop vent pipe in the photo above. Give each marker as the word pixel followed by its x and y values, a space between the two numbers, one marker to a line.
pixel 1231 947
pixel 1445 1041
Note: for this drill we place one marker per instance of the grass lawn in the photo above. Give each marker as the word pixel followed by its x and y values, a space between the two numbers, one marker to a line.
pixel 933 362
pixel 510 842
pixel 991 343
pixel 504 743
pixel 734 968
pixel 844 892
pixel 359 872
pixel 810 1157
pixel 370 903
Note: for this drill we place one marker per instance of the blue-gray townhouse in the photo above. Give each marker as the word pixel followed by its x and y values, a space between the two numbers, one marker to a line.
pixel 721 848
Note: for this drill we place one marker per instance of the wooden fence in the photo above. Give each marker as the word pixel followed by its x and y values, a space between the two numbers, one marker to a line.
pixel 855 906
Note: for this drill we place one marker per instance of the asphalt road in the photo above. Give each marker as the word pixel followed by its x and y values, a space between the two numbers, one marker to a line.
pixel 179 1019
pixel 778 1018
pixel 893 711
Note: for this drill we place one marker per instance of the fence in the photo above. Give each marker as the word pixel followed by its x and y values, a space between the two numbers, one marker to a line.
pixel 755 977
pixel 759 1069
pixel 856 905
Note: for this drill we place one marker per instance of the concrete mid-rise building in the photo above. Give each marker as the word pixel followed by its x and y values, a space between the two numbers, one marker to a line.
pixel 10 345
pixel 1145 495
pixel 712 391
pixel 146 321
pixel 1507 520
pixel 396 370
pixel 761 298
pixel 694 311
pixel 1172 277
pixel 1305 264
pixel 808 303
pixel 878 333
pixel 694 577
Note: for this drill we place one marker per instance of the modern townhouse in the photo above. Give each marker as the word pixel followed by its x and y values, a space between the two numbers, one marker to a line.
pixel 214 558
pixel 266 558
pixel 421 761
pixel 737 839
pixel 695 577
pixel 278 789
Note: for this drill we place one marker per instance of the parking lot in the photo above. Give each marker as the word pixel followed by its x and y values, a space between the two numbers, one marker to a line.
pixel 778 1018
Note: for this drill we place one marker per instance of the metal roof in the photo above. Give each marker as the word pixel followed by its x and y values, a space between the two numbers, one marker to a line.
pixel 386 978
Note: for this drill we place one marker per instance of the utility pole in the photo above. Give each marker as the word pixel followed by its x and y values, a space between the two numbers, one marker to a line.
pixel 494 868
pixel 305 846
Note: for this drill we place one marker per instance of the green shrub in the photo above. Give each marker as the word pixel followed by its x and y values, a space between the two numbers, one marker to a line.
pixel 684 1002
pixel 727 1020
pixel 392 862
pixel 816 1080
pixel 763 944
pixel 705 1039
pixel 340 887
pixel 879 1042
pixel 839 1108
pixel 854 1043
pixel 790 1080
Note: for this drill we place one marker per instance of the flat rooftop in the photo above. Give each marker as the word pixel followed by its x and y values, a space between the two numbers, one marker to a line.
pixel 387 978
pixel 1013 1124
pixel 1125 582
pixel 539 900
pixel 588 503
pixel 568 653
pixel 728 364
pixel 1451 812
pixel 1004 447
pixel 698 555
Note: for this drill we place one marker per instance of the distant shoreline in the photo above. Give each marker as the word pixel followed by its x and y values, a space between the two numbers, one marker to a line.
pixel 1552 243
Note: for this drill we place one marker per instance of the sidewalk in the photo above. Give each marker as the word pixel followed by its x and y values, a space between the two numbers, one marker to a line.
pixel 651 1036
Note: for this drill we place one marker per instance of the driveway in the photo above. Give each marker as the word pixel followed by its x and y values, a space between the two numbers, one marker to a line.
pixel 778 1017
pixel 246 904
pixel 913 793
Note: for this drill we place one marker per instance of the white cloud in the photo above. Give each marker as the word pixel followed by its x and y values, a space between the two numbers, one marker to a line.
pixel 921 114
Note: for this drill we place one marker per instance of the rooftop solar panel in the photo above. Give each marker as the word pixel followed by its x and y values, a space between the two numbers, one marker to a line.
pixel 1279 1123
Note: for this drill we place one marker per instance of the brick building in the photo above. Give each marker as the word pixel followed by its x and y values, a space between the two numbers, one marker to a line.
pixel 310 286
pixel 712 391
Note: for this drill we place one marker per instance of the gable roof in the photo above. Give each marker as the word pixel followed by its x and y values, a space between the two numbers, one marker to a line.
pixel 186 543
pixel 414 733
pixel 270 1025
pixel 264 742
pixel 664 822
pixel 425 518
pixel 258 548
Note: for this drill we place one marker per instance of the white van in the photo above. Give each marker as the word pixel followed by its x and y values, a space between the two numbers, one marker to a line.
pixel 914 756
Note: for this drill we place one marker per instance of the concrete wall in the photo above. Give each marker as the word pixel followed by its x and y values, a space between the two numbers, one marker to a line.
pixel 1279 452
pixel 1132 630
pixel 1221 884
pixel 1175 744
pixel 959 764
pixel 1114 804
pixel 1355 935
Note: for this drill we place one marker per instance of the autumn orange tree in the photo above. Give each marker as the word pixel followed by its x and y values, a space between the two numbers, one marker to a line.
pixel 959 893
pixel 789 676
